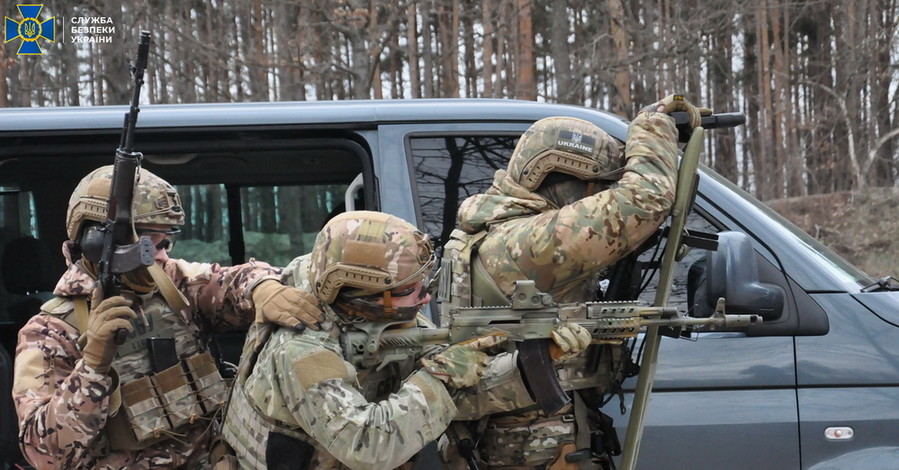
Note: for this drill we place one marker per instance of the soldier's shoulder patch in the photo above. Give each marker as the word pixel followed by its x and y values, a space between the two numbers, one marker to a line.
pixel 317 367
pixel 58 306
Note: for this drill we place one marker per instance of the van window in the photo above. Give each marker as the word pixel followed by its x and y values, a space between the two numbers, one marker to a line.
pixel 277 223
pixel 448 169
pixel 17 214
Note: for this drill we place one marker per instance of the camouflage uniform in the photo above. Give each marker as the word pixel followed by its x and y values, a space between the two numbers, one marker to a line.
pixel 524 235
pixel 65 407
pixel 301 387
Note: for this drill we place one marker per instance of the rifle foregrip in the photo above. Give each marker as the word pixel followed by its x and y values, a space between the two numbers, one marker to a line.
pixel 540 376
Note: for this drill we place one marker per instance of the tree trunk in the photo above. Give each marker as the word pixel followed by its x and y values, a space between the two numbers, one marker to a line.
pixel 448 32
pixel 621 97
pixel 561 52
pixel 765 190
pixel 374 51
pixel 412 44
pixel 427 52
pixel 488 20
pixel 468 40
pixel 725 158
pixel 526 81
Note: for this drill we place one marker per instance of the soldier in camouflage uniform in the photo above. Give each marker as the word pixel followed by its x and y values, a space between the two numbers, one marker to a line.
pixel 297 402
pixel 571 204
pixel 83 401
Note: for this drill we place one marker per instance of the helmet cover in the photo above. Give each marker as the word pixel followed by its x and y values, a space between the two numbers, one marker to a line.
pixel 155 201
pixel 363 253
pixel 565 145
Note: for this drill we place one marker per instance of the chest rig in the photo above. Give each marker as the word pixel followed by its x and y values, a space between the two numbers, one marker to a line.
pixel 168 379
pixel 464 282
pixel 524 438
pixel 251 435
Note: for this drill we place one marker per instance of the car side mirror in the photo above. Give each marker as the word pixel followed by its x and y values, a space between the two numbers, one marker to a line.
pixel 733 273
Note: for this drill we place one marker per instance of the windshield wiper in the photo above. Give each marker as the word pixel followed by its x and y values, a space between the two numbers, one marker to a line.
pixel 886 283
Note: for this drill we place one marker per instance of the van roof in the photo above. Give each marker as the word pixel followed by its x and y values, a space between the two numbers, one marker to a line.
pixel 349 112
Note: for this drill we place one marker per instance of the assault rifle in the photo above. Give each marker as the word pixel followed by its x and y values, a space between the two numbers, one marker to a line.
pixel 529 321
pixel 111 244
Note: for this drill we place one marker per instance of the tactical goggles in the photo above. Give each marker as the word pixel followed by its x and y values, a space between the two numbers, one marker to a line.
pixel 161 239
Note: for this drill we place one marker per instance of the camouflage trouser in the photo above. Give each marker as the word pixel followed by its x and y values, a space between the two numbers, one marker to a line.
pixel 525 440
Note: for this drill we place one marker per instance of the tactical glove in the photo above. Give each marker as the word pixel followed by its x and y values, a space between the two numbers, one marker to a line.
pixel 462 364
pixel 286 306
pixel 569 340
pixel 672 103
pixel 106 317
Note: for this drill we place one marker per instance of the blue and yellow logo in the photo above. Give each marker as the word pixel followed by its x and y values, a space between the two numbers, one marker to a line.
pixel 30 29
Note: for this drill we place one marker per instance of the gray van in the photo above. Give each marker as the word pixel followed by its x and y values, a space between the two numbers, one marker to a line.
pixel 814 387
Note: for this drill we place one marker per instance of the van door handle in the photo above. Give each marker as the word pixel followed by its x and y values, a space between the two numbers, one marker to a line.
pixel 721 334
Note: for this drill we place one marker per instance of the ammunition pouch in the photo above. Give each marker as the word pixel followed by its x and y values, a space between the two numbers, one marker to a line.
pixel 520 441
pixel 155 406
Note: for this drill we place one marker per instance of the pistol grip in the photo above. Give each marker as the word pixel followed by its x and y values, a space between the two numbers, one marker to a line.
pixel 540 376
pixel 120 336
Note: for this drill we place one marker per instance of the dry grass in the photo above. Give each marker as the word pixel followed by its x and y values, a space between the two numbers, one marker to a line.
pixel 861 227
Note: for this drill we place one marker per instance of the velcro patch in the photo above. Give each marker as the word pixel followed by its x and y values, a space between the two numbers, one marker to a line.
pixel 318 367
pixel 364 253
pixel 576 142
pixel 29 370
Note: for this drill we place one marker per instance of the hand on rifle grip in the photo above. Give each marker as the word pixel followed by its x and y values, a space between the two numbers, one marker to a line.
pixel 106 319
pixel 120 336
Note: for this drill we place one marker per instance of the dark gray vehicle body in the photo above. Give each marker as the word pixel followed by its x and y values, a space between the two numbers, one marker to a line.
pixel 736 400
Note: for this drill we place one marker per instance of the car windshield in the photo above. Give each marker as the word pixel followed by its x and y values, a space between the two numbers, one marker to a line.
pixel 835 264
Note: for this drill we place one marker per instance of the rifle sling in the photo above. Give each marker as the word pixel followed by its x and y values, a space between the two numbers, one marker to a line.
pixel 582 437
pixel 80 316
pixel 167 288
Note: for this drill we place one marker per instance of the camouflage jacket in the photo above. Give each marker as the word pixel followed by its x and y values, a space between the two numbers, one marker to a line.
pixel 300 386
pixel 63 404
pixel 562 249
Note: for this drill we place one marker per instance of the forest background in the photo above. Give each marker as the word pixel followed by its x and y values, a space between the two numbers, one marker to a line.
pixel 818 80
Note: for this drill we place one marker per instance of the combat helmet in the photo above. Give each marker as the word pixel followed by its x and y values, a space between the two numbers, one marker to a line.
pixel 565 145
pixel 155 201
pixel 360 256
